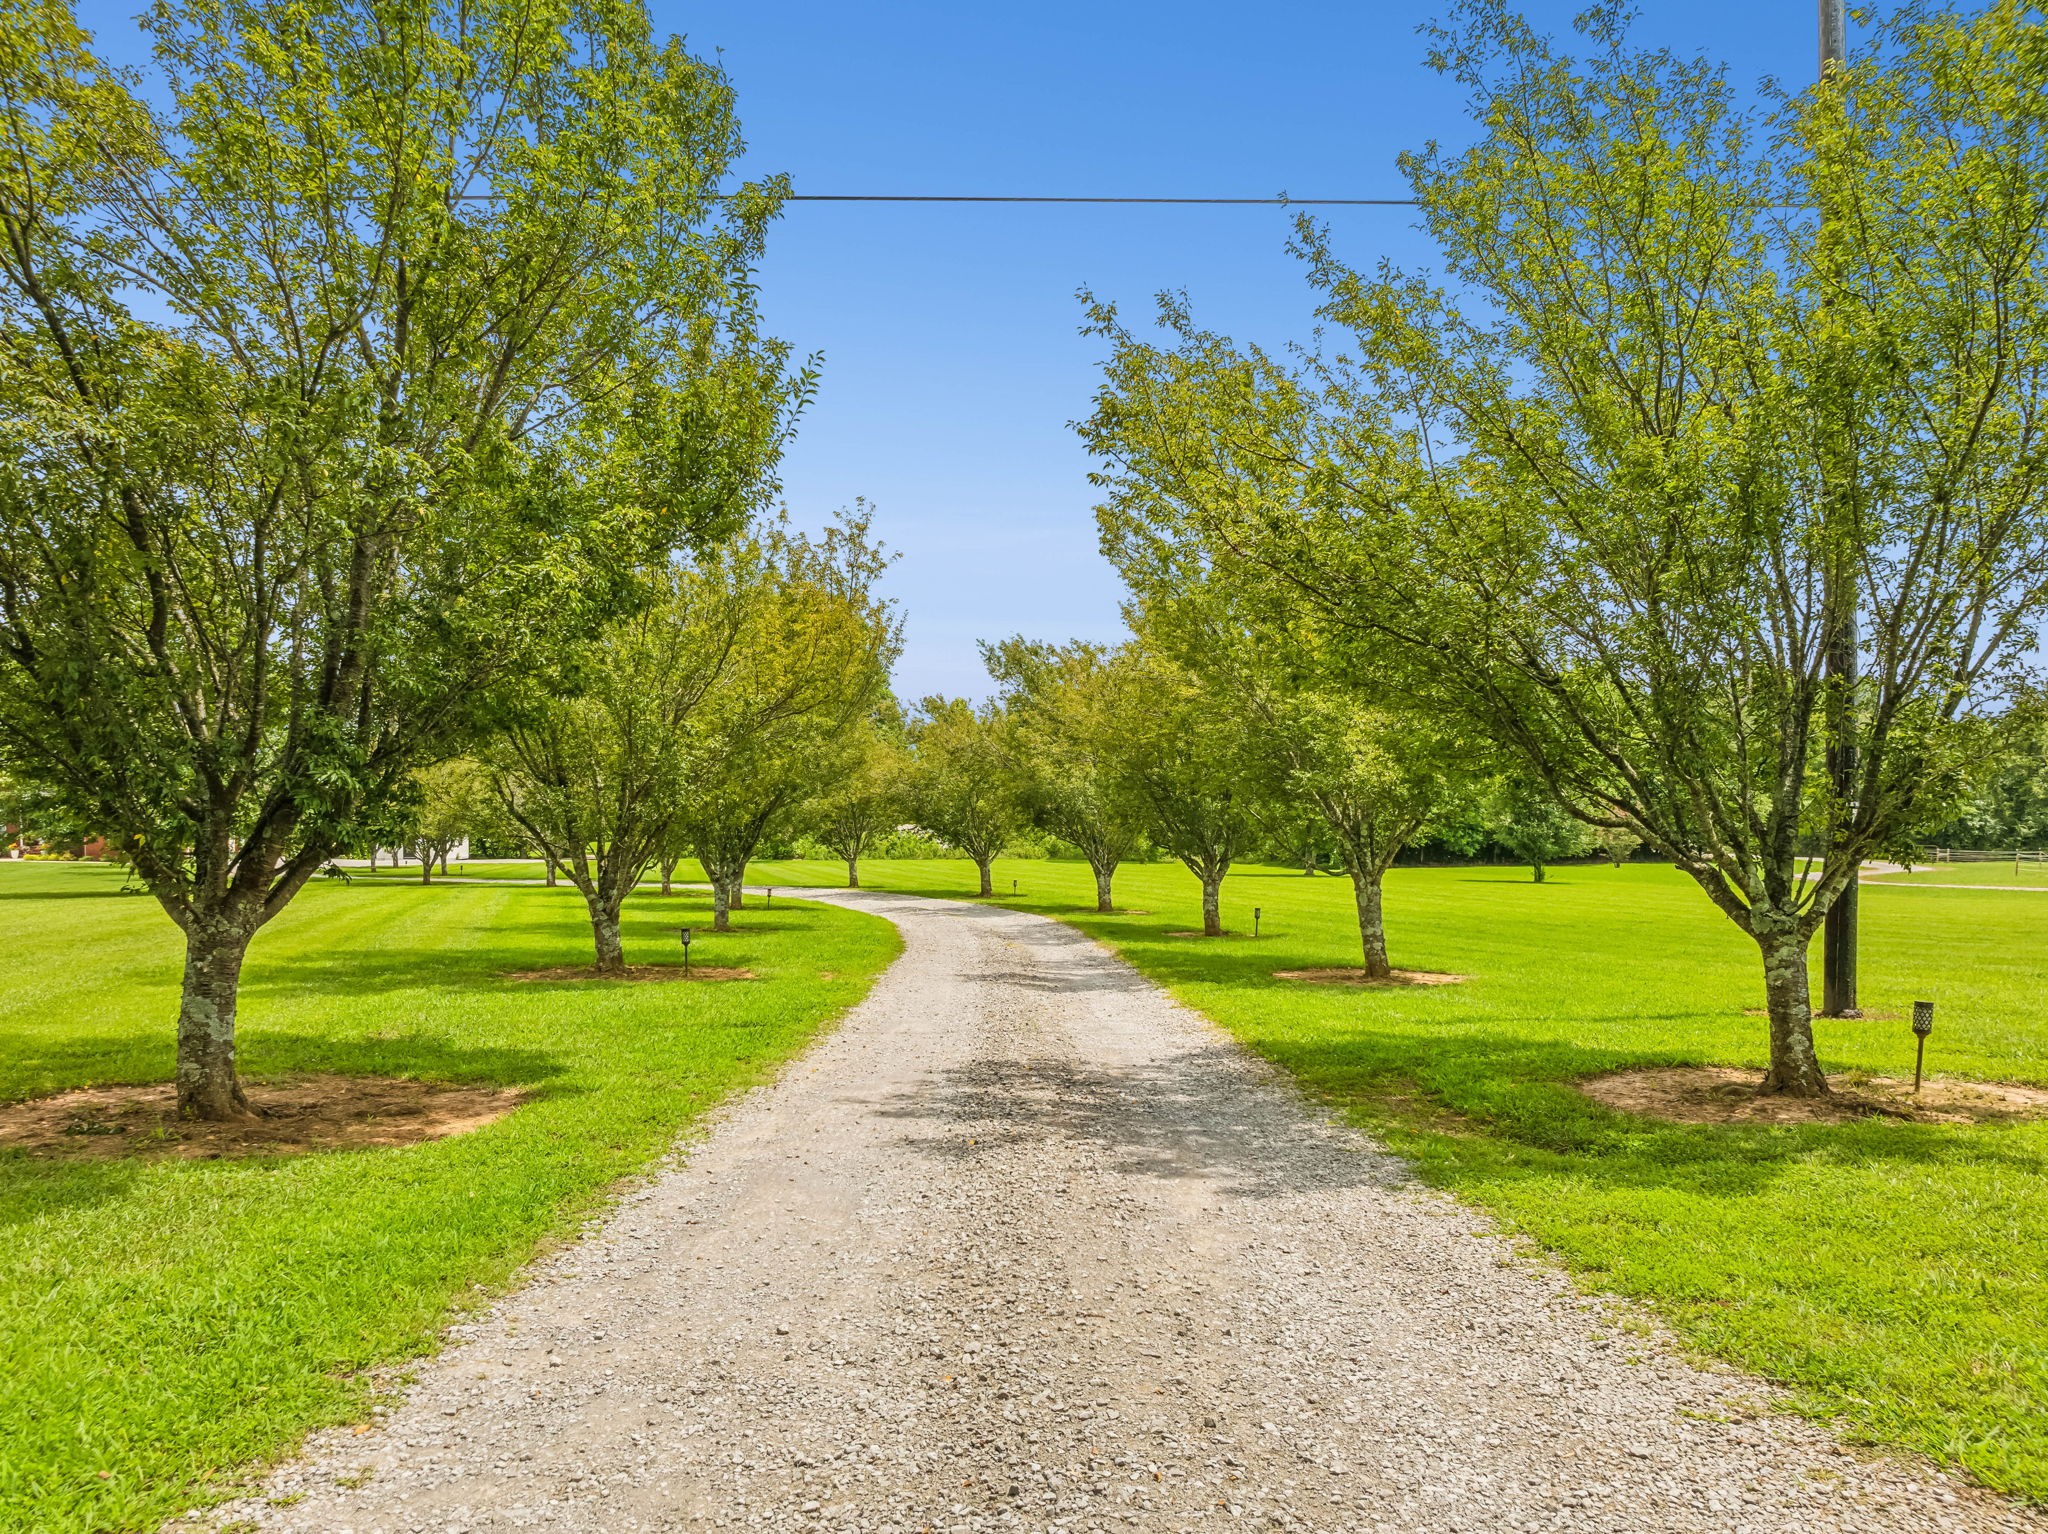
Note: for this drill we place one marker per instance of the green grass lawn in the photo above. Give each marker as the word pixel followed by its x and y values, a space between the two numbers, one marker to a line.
pixel 2031 876
pixel 1894 1276
pixel 165 1324
pixel 471 868
pixel 686 872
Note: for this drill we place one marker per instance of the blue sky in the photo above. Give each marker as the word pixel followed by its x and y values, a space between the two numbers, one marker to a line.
pixel 952 358
pixel 953 361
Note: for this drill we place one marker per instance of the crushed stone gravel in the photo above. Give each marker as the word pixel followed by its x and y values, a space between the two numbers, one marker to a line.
pixel 1025 1245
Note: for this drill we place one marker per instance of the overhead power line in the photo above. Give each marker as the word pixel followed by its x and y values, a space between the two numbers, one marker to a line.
pixel 1289 202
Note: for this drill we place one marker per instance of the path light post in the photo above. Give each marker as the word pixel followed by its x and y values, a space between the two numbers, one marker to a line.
pixel 769 903
pixel 1923 1024
pixel 684 934
pixel 1256 914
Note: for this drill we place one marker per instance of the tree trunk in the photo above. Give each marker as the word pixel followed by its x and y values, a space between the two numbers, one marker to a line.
pixel 1104 872
pixel 444 861
pixel 853 873
pixel 1212 908
pixel 668 873
pixel 611 953
pixel 373 860
pixel 426 865
pixel 1372 929
pixel 987 884
pixel 1536 871
pixel 1795 1069
pixel 207 1086
pixel 721 904
pixel 552 870
pixel 736 895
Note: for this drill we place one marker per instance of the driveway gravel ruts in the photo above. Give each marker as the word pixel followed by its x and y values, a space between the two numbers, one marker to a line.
pixel 1023 1244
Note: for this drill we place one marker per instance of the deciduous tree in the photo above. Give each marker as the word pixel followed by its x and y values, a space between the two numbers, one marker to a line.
pixel 1521 815
pixel 865 799
pixel 1610 485
pixel 596 775
pixel 963 784
pixel 1069 707
pixel 1339 746
pixel 809 667
pixel 1190 766
pixel 354 360
pixel 455 802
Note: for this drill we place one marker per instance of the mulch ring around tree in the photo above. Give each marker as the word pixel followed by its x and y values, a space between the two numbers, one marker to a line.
pixel 1360 977
pixel 633 972
pixel 1719 1094
pixel 311 1113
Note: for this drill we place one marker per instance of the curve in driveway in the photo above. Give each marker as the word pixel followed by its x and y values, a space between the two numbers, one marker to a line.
pixel 1024 1244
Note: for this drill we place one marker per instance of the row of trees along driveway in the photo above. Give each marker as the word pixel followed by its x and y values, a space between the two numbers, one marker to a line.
pixel 1600 495
pixel 353 375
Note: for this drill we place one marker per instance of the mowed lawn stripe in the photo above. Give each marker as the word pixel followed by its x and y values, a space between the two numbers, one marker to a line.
pixel 165 1325
pixel 1894 1276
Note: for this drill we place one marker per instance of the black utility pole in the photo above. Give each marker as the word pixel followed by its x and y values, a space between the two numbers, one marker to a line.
pixel 1838 939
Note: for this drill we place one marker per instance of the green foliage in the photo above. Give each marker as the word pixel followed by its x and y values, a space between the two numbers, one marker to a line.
pixel 456 802
pixel 1070 709
pixel 1618 491
pixel 1191 764
pixel 357 361
pixel 805 673
pixel 262 558
pixel 597 777
pixel 1617 844
pixel 1524 818
pixel 38 818
pixel 862 804
pixel 2007 806
pixel 166 1326
pixel 899 845
pixel 964 787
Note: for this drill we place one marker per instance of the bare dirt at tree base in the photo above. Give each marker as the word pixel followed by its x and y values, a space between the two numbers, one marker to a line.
pixel 1360 977
pixel 632 973
pixel 1023 1245
pixel 312 1113
pixel 1713 1094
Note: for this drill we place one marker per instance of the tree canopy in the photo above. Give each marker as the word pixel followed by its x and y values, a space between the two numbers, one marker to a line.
pixel 1070 707
pixel 354 362
pixel 1610 484
pixel 963 785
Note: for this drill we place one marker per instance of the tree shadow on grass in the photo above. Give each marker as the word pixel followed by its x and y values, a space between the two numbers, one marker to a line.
pixel 423 1057
pixel 512 946
pixel 1509 1104
pixel 139 1057
pixel 32 1187
pixel 290 976
pixel 95 894
pixel 651 929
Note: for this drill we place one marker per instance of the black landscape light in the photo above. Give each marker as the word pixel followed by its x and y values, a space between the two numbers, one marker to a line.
pixel 769 903
pixel 1256 914
pixel 1923 1024
pixel 684 934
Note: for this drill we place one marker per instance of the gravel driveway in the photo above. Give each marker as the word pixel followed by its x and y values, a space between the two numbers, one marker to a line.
pixel 1023 1244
